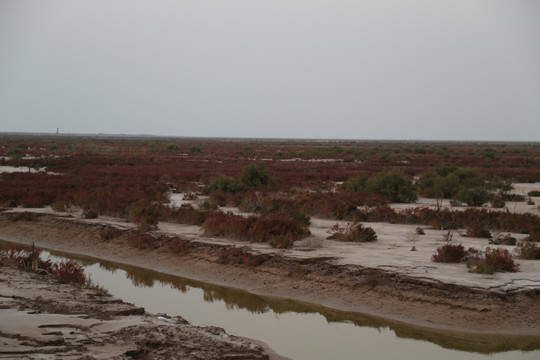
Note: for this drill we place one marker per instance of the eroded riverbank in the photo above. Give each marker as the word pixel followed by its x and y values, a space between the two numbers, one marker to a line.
pixel 428 304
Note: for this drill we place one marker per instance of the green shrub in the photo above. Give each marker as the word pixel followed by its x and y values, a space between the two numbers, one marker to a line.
pixel 394 185
pixel 356 184
pixel 224 184
pixel 473 196
pixel 254 176
pixel 534 193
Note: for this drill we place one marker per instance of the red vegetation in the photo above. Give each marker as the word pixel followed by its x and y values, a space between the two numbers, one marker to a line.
pixel 69 272
pixel 146 241
pixel 529 251
pixel 141 240
pixel 178 245
pixel 28 258
pixel 453 219
pixel 262 228
pixel 131 178
pixel 234 255
pixel 494 259
pixel 450 253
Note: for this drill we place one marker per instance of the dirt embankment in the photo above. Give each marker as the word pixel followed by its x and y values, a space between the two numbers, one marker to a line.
pixel 425 303
pixel 41 318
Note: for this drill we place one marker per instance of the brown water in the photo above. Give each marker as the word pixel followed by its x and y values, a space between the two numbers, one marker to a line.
pixel 291 328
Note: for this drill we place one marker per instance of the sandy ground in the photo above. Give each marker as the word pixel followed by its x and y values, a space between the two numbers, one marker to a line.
pixel 384 278
pixel 42 318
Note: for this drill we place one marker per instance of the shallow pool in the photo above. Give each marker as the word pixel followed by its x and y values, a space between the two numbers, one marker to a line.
pixel 291 328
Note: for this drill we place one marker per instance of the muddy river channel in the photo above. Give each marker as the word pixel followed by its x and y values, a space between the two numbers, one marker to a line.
pixel 293 329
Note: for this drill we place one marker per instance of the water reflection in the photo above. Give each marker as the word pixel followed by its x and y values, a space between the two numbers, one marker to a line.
pixel 260 307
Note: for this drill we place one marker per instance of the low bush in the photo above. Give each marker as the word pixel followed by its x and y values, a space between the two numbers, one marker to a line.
pixel 110 232
pixel 533 236
pixel 494 259
pixel 224 184
pixel 478 231
pixel 143 241
pixel 24 257
pixel 28 258
pixel 178 245
pixel 255 176
pixel 528 251
pixel 275 225
pixel 143 216
pixel 59 206
pixel 394 185
pixel 498 203
pixel 90 214
pixel 503 240
pixel 474 196
pixel 234 255
pixel 450 253
pixel 533 193
pixel 264 228
pixel 69 272
pixel 353 233
pixel 147 223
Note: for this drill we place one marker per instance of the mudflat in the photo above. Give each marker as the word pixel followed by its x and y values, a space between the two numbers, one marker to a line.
pixel 312 275
pixel 42 317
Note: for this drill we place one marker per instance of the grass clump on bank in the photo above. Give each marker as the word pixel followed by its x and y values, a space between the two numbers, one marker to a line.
pixel 28 258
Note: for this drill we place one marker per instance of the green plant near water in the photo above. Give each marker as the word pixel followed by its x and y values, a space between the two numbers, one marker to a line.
pixel 28 258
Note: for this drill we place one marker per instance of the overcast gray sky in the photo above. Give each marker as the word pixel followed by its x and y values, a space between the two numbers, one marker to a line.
pixel 402 69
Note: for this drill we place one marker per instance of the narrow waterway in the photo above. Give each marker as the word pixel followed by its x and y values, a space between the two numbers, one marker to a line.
pixel 293 329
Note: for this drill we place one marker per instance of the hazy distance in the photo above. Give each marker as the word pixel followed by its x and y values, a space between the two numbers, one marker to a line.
pixel 417 69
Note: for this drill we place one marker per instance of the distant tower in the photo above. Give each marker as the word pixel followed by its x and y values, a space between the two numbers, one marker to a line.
pixel 56 131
